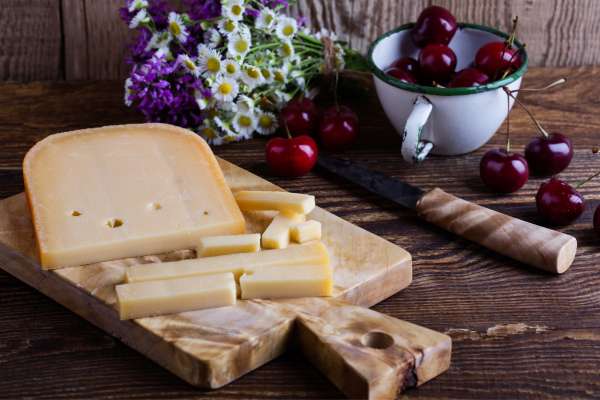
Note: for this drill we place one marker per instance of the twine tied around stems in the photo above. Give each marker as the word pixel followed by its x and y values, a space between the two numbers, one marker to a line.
pixel 330 64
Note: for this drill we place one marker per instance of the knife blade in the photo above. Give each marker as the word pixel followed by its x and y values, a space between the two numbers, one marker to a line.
pixel 528 243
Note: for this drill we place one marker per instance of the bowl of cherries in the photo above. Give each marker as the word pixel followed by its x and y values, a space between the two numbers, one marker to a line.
pixel 442 83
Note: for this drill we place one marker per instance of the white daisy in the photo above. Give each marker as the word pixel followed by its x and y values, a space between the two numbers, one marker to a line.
pixel 140 18
pixel 245 124
pixel 164 52
pixel 225 89
pixel 326 33
pixel 266 123
pixel 265 19
pixel 189 65
pixel 251 76
pixel 223 126
pixel 267 75
pixel 137 5
pixel 207 131
pixel 228 27
pixel 287 49
pixel 177 28
pixel 296 75
pixel 281 98
pixel 158 40
pixel 233 9
pixel 203 50
pixel 231 68
pixel 245 104
pixel 128 92
pixel 238 45
pixel 213 38
pixel 280 74
pixel 210 62
pixel 286 28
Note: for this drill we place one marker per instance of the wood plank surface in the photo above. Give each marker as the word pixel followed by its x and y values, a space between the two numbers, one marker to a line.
pixel 517 332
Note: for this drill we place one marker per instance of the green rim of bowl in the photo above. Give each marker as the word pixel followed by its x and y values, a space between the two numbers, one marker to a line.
pixel 448 91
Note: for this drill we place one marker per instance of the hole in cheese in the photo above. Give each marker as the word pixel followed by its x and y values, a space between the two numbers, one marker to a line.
pixel 114 223
pixel 155 206
pixel 377 340
pixel 75 213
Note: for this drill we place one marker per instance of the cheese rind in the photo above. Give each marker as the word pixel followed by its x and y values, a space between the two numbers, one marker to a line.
pixel 211 246
pixel 277 234
pixel 123 191
pixel 145 299
pixel 310 253
pixel 306 231
pixel 249 200
pixel 278 282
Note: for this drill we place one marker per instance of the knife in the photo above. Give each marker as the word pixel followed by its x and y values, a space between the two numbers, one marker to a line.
pixel 528 243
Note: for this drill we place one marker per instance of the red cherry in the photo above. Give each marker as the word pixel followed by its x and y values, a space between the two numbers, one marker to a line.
pixel 401 75
pixel 338 128
pixel 558 203
pixel 434 25
pixel 407 64
pixel 293 156
pixel 437 62
pixel 300 116
pixel 549 155
pixel 597 220
pixel 496 57
pixel 502 171
pixel 468 77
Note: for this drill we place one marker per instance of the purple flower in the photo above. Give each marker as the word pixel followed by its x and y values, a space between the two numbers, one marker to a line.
pixel 203 9
pixel 159 13
pixel 138 53
pixel 275 3
pixel 251 12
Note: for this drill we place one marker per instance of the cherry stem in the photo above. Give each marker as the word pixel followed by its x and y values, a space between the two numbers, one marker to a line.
pixel 549 86
pixel 535 121
pixel 335 90
pixel 586 180
pixel 507 123
pixel 287 131
pixel 507 44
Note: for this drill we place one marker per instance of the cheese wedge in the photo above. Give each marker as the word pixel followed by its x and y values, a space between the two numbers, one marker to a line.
pixel 145 299
pixel 210 246
pixel 280 201
pixel 277 234
pixel 306 231
pixel 276 282
pixel 123 191
pixel 310 253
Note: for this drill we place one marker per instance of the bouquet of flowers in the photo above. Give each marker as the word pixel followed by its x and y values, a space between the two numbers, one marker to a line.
pixel 224 68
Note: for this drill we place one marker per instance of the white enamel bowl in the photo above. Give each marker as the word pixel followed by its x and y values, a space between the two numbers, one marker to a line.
pixel 444 121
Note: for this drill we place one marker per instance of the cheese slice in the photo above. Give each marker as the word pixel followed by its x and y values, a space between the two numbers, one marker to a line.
pixel 145 299
pixel 276 282
pixel 280 201
pixel 277 234
pixel 122 191
pixel 306 231
pixel 210 246
pixel 310 253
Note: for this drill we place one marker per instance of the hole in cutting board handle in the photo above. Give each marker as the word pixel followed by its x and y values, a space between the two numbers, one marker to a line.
pixel 377 340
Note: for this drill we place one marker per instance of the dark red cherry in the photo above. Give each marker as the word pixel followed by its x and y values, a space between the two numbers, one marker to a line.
pixel 401 75
pixel 338 128
pixel 300 116
pixel 293 156
pixel 597 220
pixel 468 77
pixel 495 58
pixel 437 62
pixel 549 155
pixel 503 172
pixel 434 25
pixel 558 202
pixel 407 64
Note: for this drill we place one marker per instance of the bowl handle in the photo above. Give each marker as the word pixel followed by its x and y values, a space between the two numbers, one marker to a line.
pixel 414 149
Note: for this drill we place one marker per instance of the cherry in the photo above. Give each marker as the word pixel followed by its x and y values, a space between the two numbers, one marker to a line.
pixel 558 202
pixel 338 127
pixel 434 25
pixel 468 77
pixel 300 116
pixel 292 156
pixel 400 74
pixel 407 64
pixel 503 171
pixel 495 58
pixel 597 220
pixel 437 62
pixel 549 155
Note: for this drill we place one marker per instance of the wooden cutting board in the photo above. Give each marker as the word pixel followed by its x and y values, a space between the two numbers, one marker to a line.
pixel 364 353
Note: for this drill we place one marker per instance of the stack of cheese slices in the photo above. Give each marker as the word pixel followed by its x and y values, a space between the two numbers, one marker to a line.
pixel 133 190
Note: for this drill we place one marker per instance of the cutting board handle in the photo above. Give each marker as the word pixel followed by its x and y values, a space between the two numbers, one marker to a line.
pixel 367 354
pixel 531 244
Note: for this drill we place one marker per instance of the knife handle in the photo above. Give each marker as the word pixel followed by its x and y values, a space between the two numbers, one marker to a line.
pixel 531 244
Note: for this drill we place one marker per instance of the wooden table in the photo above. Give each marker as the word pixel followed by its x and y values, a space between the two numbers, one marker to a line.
pixel 518 332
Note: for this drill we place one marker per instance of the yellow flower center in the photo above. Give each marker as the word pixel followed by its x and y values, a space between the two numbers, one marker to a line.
pixel 175 28
pixel 287 49
pixel 228 139
pixel 225 88
pixel 265 121
pixel 241 45
pixel 245 121
pixel 236 10
pixel 279 76
pixel 288 30
pixel 253 73
pixel 190 65
pixel 212 113
pixel 213 65
pixel 209 132
pixel 268 19
pixel 265 73
pixel 229 26
pixel 230 68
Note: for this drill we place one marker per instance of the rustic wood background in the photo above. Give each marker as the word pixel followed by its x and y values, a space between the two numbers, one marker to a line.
pixel 85 39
